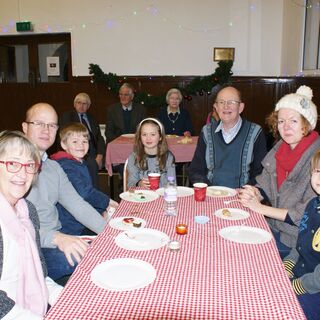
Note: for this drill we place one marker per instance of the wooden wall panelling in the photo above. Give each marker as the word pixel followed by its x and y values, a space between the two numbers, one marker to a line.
pixel 14 104
pixel 258 97
pixel 197 108
pixel 259 93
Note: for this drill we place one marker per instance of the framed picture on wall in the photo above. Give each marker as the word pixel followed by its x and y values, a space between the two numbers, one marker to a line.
pixel 223 54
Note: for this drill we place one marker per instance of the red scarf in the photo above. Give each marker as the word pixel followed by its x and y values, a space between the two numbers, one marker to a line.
pixel 286 158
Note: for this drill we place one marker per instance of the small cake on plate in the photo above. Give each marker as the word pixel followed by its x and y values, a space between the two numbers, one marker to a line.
pixel 137 224
pixel 226 212
pixel 128 221
pixel 132 222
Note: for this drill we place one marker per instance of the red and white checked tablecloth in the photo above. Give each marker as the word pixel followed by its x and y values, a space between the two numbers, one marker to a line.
pixel 120 148
pixel 210 278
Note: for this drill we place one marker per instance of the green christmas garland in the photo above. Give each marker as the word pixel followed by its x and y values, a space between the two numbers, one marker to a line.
pixel 199 85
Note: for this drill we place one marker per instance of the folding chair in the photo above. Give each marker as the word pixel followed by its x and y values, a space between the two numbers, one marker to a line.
pixel 125 176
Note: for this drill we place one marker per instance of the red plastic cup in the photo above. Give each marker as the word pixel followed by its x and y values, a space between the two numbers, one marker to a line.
pixel 200 190
pixel 154 180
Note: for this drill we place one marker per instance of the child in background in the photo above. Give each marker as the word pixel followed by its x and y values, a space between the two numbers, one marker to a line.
pixel 150 154
pixel 75 143
pixel 212 116
pixel 303 262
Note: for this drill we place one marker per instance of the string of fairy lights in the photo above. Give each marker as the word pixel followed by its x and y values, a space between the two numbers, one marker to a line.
pixel 113 20
pixel 153 10
pixel 150 9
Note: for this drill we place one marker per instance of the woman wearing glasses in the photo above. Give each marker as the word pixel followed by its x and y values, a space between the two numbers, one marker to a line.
pixel 25 290
pixel 285 181
pixel 229 152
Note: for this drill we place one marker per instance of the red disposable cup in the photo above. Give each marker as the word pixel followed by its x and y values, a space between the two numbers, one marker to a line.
pixel 154 180
pixel 200 190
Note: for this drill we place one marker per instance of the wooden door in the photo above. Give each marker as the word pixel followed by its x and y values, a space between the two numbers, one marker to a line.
pixel 33 68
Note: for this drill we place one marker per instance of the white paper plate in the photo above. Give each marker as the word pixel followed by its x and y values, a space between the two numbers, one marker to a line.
pixel 142 240
pixel 117 223
pixel 128 135
pixel 244 234
pixel 123 274
pixel 139 196
pixel 235 214
pixel 219 191
pixel 182 191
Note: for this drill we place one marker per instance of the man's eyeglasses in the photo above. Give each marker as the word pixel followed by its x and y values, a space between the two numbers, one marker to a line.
pixel 229 103
pixel 14 166
pixel 42 125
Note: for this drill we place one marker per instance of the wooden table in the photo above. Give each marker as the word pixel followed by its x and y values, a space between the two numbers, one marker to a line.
pixel 120 148
pixel 210 278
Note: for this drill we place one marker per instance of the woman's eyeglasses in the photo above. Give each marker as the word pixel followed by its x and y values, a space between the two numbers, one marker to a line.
pixel 14 166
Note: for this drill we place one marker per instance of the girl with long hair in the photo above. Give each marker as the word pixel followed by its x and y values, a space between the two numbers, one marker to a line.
pixel 150 154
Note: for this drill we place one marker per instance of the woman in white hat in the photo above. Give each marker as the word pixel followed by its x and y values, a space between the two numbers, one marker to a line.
pixel 283 189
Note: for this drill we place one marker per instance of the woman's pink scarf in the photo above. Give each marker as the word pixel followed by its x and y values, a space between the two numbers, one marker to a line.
pixel 32 293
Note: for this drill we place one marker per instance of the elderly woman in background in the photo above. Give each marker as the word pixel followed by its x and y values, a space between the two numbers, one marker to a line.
pixel 285 180
pixel 176 120
pixel 25 291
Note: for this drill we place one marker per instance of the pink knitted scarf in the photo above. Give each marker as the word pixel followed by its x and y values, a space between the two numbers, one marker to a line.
pixel 32 293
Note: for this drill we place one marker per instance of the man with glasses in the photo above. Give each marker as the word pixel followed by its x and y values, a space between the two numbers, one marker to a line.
pixel 229 152
pixel 123 117
pixel 61 251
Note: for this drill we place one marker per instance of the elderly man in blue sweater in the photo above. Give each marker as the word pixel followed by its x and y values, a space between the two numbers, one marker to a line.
pixel 229 151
